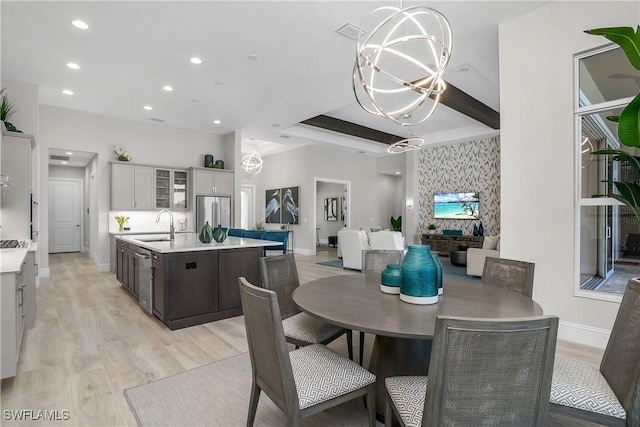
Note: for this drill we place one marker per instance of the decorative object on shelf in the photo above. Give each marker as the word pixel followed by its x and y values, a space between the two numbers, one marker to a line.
pixel 123 155
pixel 208 161
pixel 7 108
pixel 418 276
pixel 396 223
pixel 182 220
pixel 390 279
pixel 417 38
pixel 219 235
pixel 475 229
pixel 432 228
pixel 252 162
pixel 121 219
pixel 480 229
pixel 219 164
pixel 206 235
pixel 436 260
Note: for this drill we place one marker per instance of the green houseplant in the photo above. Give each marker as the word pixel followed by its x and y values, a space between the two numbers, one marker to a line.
pixel 396 223
pixel 432 228
pixel 628 121
pixel 7 108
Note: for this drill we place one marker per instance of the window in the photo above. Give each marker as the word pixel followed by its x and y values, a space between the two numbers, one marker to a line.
pixel 608 240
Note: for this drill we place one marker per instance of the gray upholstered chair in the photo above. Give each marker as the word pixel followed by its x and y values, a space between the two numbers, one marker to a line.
pixel 376 261
pixel 510 274
pixel 279 274
pixel 482 372
pixel 305 381
pixel 610 395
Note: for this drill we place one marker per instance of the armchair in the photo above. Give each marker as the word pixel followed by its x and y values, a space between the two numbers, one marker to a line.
pixel 386 240
pixel 352 243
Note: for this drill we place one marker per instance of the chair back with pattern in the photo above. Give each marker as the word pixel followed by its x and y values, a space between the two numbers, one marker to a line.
pixel 621 360
pixel 510 274
pixel 490 372
pixel 270 363
pixel 279 274
pixel 376 260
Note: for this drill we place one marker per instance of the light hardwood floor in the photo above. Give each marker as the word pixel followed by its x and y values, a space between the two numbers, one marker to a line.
pixel 92 341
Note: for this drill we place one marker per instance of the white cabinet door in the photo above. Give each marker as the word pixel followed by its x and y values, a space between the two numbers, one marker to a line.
pixel 205 182
pixel 223 184
pixel 122 187
pixel 143 187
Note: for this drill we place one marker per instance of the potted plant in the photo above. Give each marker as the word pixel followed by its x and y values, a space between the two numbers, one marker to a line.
pixel 7 108
pixel 396 223
pixel 432 228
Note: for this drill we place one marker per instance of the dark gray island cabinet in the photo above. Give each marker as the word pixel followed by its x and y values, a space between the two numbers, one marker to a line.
pixel 192 284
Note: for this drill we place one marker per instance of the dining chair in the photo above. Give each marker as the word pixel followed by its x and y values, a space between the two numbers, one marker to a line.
pixel 609 395
pixel 509 273
pixel 376 261
pixel 304 381
pixel 482 372
pixel 279 274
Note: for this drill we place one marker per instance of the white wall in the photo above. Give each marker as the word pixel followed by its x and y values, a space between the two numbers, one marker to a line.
pixel 146 142
pixel 538 221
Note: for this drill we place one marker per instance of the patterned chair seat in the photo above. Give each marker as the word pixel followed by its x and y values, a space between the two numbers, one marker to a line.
pixel 407 395
pixel 582 386
pixel 321 374
pixel 309 329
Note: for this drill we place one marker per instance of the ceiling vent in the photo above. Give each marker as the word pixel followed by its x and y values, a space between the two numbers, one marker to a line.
pixel 349 30
pixel 154 119
pixel 61 158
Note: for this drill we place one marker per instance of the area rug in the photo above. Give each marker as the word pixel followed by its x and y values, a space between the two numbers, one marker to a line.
pixel 217 394
pixel 337 263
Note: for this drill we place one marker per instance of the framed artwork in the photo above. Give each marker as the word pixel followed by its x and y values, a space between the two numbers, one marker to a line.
pixel 272 206
pixel 331 209
pixel 290 204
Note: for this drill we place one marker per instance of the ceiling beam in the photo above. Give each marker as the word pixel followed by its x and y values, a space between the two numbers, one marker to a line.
pixel 466 104
pixel 342 126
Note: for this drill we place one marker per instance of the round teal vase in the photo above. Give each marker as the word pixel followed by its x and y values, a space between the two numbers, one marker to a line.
pixel 206 234
pixel 436 260
pixel 418 276
pixel 219 235
pixel 390 279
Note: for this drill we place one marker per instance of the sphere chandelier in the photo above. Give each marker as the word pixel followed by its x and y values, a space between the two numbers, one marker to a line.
pixel 399 64
pixel 404 145
pixel 251 162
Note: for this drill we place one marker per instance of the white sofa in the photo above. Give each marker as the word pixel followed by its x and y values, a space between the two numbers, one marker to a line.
pixel 386 240
pixel 476 257
pixel 352 243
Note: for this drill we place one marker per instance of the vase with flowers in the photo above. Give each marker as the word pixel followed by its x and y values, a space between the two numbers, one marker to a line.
pixel 121 219
pixel 123 155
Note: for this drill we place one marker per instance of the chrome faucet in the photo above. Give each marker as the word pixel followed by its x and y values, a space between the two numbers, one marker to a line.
pixel 172 230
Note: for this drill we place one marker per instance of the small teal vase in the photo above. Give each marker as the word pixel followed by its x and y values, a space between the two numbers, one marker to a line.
pixel 206 235
pixel 436 260
pixel 219 235
pixel 418 276
pixel 390 279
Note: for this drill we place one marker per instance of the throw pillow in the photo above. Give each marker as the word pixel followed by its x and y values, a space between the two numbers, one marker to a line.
pixel 498 245
pixel 490 242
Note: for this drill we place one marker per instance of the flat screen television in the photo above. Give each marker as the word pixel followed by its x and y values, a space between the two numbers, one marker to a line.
pixel 456 205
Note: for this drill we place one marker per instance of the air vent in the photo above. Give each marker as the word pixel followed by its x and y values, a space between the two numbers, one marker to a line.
pixel 154 119
pixel 349 30
pixel 61 158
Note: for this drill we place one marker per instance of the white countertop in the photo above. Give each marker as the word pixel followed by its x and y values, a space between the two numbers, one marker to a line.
pixel 137 233
pixel 11 259
pixel 187 242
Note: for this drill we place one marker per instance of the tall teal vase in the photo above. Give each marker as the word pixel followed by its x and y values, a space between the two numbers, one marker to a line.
pixel 418 276
pixel 436 260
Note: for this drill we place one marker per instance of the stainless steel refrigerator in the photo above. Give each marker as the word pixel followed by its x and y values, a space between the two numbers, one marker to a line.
pixel 216 210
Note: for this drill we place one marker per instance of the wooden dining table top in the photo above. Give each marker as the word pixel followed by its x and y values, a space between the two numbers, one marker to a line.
pixel 356 302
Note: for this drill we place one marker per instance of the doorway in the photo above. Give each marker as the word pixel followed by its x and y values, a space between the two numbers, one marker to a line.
pixel 65 207
pixel 332 199
pixel 247 207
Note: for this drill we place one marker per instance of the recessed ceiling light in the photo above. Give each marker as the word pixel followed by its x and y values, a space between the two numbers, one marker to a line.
pixel 148 107
pixel 167 88
pixel 219 82
pixel 67 92
pixel 397 173
pixel 73 66
pixel 253 57
pixel 196 60
pixel 69 153
pixel 64 163
pixel 276 125
pixel 216 122
pixel 285 136
pixel 80 24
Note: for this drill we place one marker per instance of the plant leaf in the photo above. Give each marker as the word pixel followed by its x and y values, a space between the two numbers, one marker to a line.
pixel 613 118
pixel 629 124
pixel 624 37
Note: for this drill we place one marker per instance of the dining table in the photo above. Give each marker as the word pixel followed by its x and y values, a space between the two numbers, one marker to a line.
pixel 403 331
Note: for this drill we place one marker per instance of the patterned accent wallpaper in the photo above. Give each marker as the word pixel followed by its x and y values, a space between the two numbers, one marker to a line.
pixel 472 166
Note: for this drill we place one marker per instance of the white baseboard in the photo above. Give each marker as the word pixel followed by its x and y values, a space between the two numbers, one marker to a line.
pixel 43 272
pixel 104 268
pixel 581 334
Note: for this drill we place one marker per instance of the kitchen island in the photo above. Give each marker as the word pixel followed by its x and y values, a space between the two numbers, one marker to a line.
pixel 185 282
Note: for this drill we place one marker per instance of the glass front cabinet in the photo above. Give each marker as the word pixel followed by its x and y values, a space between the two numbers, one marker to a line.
pixel 171 189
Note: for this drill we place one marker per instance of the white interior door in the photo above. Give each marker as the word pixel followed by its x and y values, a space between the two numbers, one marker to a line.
pixel 64 215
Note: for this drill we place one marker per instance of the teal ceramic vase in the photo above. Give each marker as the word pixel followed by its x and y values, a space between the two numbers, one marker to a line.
pixel 219 235
pixel 390 279
pixel 436 260
pixel 206 235
pixel 418 276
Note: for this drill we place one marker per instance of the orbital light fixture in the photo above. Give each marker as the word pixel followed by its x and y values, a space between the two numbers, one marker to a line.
pixel 404 145
pixel 251 161
pixel 399 63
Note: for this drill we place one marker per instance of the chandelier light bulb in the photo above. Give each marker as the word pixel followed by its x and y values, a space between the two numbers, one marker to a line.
pixel 399 63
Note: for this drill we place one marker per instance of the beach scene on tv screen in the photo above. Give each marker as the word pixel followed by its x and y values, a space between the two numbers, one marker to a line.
pixel 456 205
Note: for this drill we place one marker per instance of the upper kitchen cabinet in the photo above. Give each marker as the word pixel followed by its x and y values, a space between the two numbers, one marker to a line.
pixel 212 182
pixel 132 187
pixel 15 166
pixel 171 189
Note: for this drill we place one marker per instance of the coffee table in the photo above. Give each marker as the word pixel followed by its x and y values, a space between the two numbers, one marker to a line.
pixel 403 331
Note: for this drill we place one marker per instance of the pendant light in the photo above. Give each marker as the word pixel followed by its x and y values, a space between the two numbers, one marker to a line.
pixel 251 161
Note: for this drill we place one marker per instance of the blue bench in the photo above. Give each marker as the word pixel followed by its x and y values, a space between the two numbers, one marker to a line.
pixel 278 236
